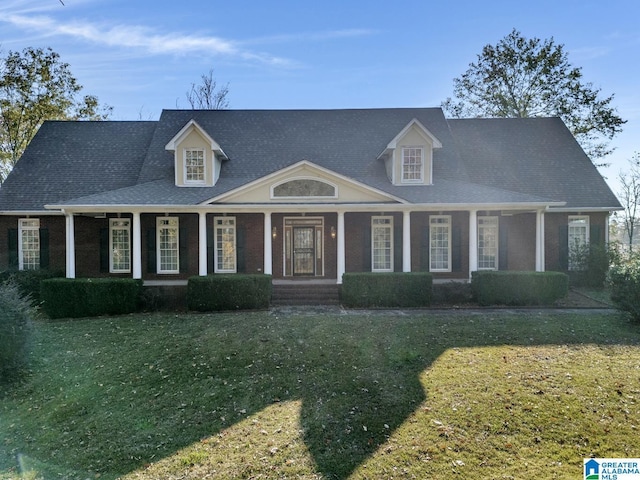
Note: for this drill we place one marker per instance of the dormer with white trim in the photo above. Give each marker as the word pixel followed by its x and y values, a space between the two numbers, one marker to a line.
pixel 409 156
pixel 197 157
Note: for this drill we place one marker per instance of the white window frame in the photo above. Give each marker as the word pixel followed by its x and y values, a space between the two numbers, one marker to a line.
pixel 119 225
pixel 405 164
pixel 186 157
pixel 164 224
pixel 221 244
pixel 28 229
pixel 385 225
pixel 435 223
pixel 487 223
pixel 577 222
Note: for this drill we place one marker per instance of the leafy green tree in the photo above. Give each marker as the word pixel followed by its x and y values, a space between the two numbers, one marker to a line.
pixel 36 85
pixel 520 77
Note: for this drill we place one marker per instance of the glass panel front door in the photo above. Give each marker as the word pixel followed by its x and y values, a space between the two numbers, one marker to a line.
pixel 303 251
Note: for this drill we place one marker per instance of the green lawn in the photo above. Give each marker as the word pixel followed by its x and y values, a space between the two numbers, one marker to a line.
pixel 362 396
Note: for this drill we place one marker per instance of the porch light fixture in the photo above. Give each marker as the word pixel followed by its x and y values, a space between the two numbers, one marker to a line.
pixel 333 233
pixel 274 233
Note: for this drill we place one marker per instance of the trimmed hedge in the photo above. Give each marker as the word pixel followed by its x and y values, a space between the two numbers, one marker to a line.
pixel 90 297
pixel 624 281
pixel 224 292
pixel 406 290
pixel 519 288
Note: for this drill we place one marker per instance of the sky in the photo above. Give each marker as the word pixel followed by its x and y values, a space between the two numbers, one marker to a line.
pixel 142 56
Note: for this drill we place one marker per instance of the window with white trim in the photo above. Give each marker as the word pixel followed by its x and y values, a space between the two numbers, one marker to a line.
pixel 168 244
pixel 578 236
pixel 487 243
pixel 440 243
pixel 29 244
pixel 382 244
pixel 194 169
pixel 119 245
pixel 412 164
pixel 225 232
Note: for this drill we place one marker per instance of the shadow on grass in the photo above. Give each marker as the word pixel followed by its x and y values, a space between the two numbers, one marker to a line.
pixel 132 390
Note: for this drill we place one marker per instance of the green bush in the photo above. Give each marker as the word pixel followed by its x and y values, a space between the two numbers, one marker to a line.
pixel 28 281
pixel 592 263
pixel 228 292
pixel 90 297
pixel 624 280
pixel 405 290
pixel 518 288
pixel 16 313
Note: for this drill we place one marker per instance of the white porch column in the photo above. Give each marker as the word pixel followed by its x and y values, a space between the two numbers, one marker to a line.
pixel 202 244
pixel 406 242
pixel 268 250
pixel 70 246
pixel 137 247
pixel 540 263
pixel 340 248
pixel 473 241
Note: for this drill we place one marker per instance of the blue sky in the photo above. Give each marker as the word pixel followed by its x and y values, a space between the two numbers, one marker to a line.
pixel 141 56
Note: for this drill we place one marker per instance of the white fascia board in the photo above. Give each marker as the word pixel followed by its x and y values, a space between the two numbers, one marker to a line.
pixel 585 209
pixel 193 125
pixel 24 213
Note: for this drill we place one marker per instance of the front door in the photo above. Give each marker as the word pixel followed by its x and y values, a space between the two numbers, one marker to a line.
pixel 304 251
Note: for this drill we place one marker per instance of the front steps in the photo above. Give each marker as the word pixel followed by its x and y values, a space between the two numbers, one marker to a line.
pixel 311 292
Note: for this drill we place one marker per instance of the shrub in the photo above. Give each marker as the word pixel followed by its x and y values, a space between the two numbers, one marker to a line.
pixel 451 293
pixel 519 288
pixel 28 281
pixel 363 290
pixel 89 297
pixel 228 292
pixel 16 313
pixel 624 280
pixel 592 263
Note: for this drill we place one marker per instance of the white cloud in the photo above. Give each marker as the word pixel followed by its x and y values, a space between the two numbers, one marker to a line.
pixel 141 38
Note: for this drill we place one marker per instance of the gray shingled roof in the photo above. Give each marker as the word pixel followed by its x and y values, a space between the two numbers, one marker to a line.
pixel 66 160
pixel 481 161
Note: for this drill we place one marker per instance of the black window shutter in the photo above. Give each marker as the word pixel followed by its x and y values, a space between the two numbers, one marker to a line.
pixel 397 249
pixel 151 251
pixel 210 248
pixel 104 250
pixel 456 249
pixel 503 242
pixel 424 250
pixel 44 248
pixel 241 249
pixel 595 235
pixel 563 247
pixel 12 243
pixel 183 249
pixel 366 249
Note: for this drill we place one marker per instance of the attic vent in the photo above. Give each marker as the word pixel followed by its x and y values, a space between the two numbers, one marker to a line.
pixel 304 187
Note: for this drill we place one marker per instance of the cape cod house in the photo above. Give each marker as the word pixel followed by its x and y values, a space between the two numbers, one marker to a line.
pixel 301 194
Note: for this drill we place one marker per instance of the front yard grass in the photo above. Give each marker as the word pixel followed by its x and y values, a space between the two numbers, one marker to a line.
pixel 361 396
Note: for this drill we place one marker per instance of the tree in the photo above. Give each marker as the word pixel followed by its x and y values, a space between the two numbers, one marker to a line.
pixel 204 95
pixel 35 85
pixel 630 198
pixel 521 78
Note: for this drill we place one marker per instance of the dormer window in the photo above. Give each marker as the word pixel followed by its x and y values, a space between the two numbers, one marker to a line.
pixel 197 157
pixel 412 164
pixel 194 165
pixel 408 156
